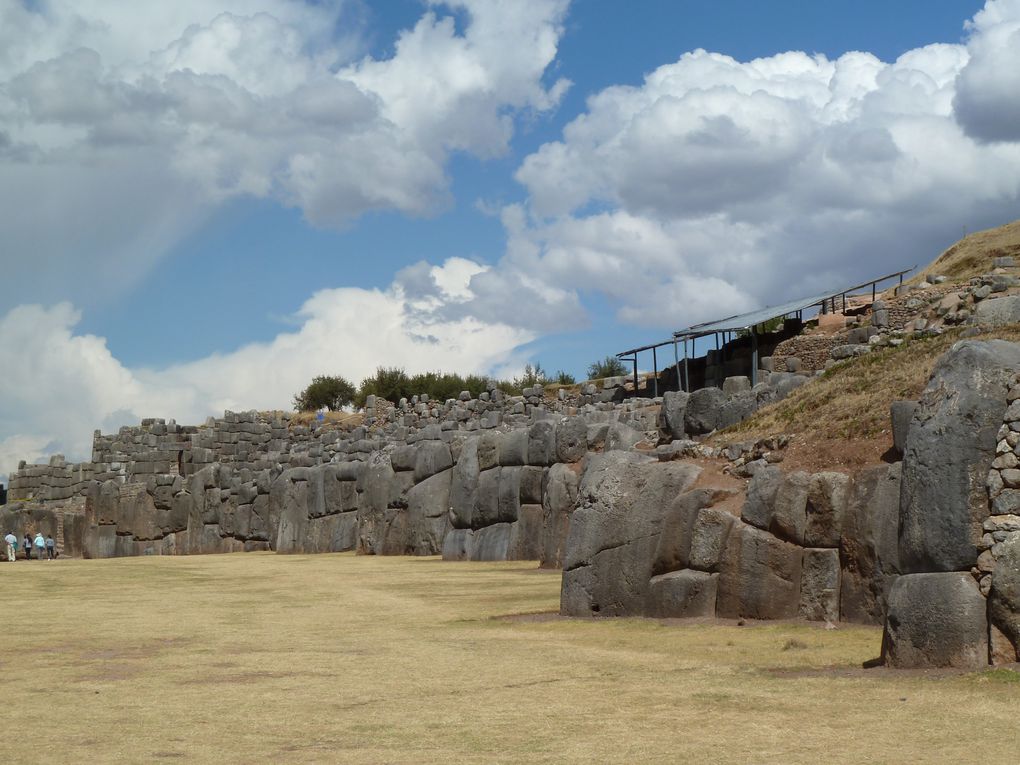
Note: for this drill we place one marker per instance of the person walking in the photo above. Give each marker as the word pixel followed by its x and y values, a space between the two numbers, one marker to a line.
pixel 51 548
pixel 12 546
pixel 40 545
pixel 28 547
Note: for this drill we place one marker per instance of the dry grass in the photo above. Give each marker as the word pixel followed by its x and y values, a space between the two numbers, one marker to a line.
pixel 333 658
pixel 347 419
pixel 851 400
pixel 972 255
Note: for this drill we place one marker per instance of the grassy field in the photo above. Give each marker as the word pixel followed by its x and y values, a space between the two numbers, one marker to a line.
pixel 336 658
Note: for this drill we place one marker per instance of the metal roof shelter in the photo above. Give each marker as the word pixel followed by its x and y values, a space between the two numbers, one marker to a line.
pixel 825 302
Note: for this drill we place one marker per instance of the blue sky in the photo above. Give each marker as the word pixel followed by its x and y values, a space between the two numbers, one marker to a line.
pixel 600 47
pixel 208 203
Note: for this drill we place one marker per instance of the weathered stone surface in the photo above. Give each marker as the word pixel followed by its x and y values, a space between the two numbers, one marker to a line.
pixel 674 408
pixel 901 413
pixel 826 503
pixel 759 576
pixel 571 439
pixel 542 443
pixel 526 534
pixel 558 500
pixel 379 489
pixel 1004 597
pixel 998 311
pixel 737 408
pixel 708 538
pixel 488 450
pixel 673 551
pixel 819 585
pixel 936 620
pixel 404 457
pixel 457 544
pixel 703 407
pixel 509 504
pixel 486 510
pixel 949 448
pixel 532 481
pixel 737 384
pixel 433 457
pixel 491 543
pixel 682 594
pixel 463 485
pixel 869 548
pixel 513 449
pixel 427 504
pixel 615 529
pixel 789 512
pixel 761 497
pixel 622 437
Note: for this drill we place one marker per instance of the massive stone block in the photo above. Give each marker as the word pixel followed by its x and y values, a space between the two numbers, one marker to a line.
pixel 674 410
pixel 526 534
pixel 673 550
pixel 761 497
pixel 558 500
pixel 457 544
pixel 464 485
pixel 936 620
pixel 760 576
pixel 486 509
pixel 703 410
pixel 542 443
pixel 615 530
pixel 427 506
pixel 826 503
pixel 819 585
pixel 1004 598
pixel 869 549
pixel 433 457
pixel 571 439
pixel 789 512
pixel 684 593
pixel 491 543
pixel 513 449
pixel 709 536
pixel 949 449
pixel 379 490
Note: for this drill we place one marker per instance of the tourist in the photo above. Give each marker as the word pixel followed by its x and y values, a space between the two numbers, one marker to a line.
pixel 40 545
pixel 12 546
pixel 28 547
pixel 51 548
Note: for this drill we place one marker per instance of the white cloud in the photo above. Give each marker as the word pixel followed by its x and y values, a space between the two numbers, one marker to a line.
pixel 720 185
pixel 59 386
pixel 156 113
pixel 987 102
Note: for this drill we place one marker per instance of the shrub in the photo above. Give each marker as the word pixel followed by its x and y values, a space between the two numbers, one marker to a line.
pixel 610 366
pixel 331 392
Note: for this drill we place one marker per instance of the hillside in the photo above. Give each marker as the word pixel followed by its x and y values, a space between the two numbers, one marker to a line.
pixel 842 418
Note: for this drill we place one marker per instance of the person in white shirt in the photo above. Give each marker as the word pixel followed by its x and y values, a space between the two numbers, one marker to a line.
pixel 12 543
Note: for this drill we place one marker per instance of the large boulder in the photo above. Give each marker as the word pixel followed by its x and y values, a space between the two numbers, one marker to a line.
pixel 615 530
pixel 998 311
pixel 559 496
pixel 936 620
pixel 760 576
pixel 761 497
pixel 427 516
pixel 464 484
pixel 571 439
pixel 1004 598
pixel 949 449
pixel 869 551
pixel 819 585
pixel 673 551
pixel 379 490
pixel 674 410
pixel 789 512
pixel 682 594
pixel 703 410
pixel 826 503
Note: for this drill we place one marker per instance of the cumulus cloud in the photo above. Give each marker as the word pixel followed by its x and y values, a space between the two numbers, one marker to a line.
pixel 719 185
pixel 987 104
pixel 155 115
pixel 62 385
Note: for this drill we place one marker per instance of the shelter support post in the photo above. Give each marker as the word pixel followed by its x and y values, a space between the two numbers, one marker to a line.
pixel 676 364
pixel 655 374
pixel 754 356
